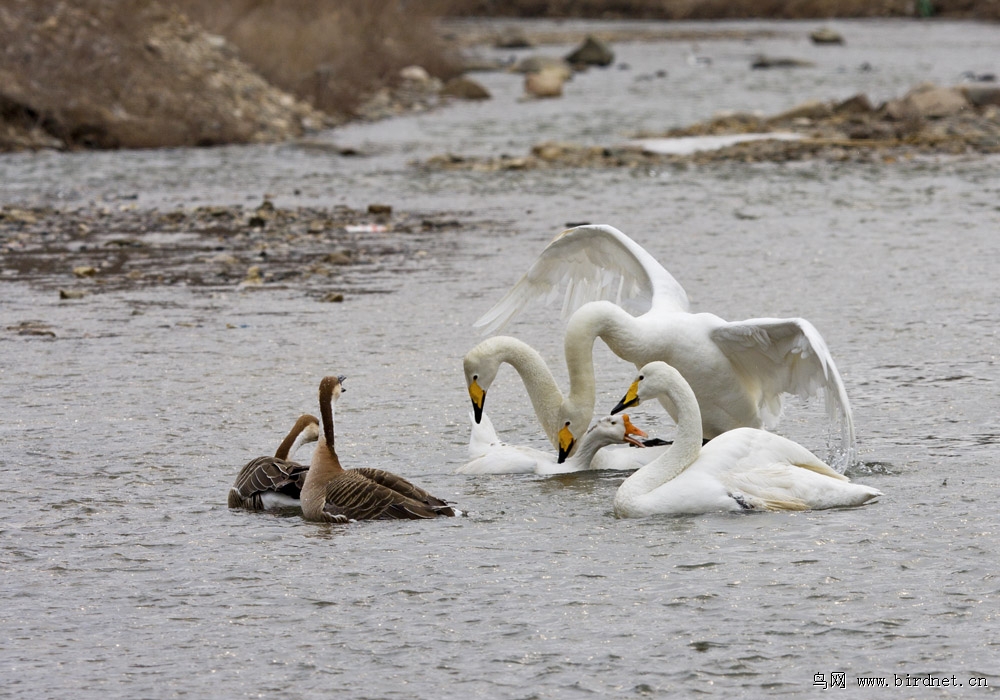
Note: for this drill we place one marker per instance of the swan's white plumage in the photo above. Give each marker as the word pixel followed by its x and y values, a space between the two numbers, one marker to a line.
pixel 489 455
pixel 738 370
pixel 743 469
pixel 552 408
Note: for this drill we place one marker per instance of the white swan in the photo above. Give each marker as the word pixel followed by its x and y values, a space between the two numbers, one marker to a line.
pixel 500 458
pixel 271 483
pixel 738 370
pixel 559 414
pixel 743 469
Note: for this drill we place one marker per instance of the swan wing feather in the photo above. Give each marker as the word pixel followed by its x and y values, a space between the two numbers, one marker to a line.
pixel 593 262
pixel 789 355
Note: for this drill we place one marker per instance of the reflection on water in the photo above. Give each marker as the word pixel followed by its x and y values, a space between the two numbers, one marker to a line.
pixel 125 571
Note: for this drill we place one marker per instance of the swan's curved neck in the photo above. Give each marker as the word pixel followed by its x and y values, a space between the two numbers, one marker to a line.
pixel 546 398
pixel 605 320
pixel 686 446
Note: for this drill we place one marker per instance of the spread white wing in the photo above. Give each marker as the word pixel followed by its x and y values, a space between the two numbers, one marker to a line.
pixel 789 355
pixel 594 262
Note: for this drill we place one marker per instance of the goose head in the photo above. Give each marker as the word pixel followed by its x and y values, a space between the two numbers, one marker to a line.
pixel 330 389
pixel 606 431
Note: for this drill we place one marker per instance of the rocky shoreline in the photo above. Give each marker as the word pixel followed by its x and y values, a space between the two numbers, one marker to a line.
pixel 325 253
pixel 927 120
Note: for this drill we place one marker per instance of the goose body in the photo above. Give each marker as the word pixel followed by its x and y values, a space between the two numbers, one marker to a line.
pixel 738 370
pixel 496 457
pixel 271 483
pixel 742 469
pixel 337 495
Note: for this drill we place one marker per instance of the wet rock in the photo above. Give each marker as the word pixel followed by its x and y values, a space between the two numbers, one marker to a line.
pixel 537 64
pixel 859 104
pixel 933 102
pixel 340 257
pixel 35 328
pixel 380 209
pixel 825 35
pixel 465 89
pixel 84 271
pixel 981 95
pixel 15 215
pixel 417 74
pixel 512 38
pixel 544 84
pixel 766 62
pixel 262 214
pixel 592 52
pixel 254 276
pixel 332 298
pixel 812 109
pixel 72 294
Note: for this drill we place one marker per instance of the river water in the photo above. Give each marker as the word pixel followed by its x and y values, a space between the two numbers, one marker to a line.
pixel 125 575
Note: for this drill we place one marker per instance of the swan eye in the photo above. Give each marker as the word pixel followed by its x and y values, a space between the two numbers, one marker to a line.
pixel 567 424
pixel 475 377
pixel 641 377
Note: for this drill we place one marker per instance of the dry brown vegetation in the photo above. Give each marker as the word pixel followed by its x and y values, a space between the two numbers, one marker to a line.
pixel 725 9
pixel 333 53
pixel 91 73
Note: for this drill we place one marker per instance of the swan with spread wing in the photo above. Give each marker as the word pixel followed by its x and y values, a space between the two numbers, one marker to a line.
pixel 739 370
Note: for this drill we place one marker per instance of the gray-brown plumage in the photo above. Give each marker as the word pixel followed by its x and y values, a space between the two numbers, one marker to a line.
pixel 334 494
pixel 267 483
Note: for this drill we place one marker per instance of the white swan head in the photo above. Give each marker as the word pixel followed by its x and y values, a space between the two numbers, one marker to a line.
pixel 653 380
pixel 480 370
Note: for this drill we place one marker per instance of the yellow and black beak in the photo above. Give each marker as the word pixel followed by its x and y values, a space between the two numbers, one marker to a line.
pixel 478 396
pixel 566 442
pixel 630 399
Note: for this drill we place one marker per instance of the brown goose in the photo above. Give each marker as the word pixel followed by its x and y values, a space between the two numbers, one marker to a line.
pixel 269 483
pixel 337 495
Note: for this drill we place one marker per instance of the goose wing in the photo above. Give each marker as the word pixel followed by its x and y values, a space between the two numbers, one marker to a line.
pixel 788 355
pixel 354 496
pixel 403 487
pixel 593 262
pixel 265 474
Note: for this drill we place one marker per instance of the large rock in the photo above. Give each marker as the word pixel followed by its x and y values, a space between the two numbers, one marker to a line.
pixel 825 35
pixel 545 83
pixel 592 52
pixel 981 95
pixel 465 89
pixel 933 102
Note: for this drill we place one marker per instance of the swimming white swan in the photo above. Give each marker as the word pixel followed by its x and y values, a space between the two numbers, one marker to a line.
pixel 738 370
pixel 563 417
pixel 496 457
pixel 269 483
pixel 334 494
pixel 743 469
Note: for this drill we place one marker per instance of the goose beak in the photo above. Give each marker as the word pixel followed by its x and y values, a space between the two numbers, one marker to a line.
pixel 478 397
pixel 630 399
pixel 342 378
pixel 631 430
pixel 566 443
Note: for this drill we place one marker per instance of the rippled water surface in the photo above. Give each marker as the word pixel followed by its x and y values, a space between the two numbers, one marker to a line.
pixel 125 575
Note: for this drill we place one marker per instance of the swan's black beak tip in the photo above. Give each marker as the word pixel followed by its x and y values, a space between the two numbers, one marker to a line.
pixel 477 412
pixel 623 404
